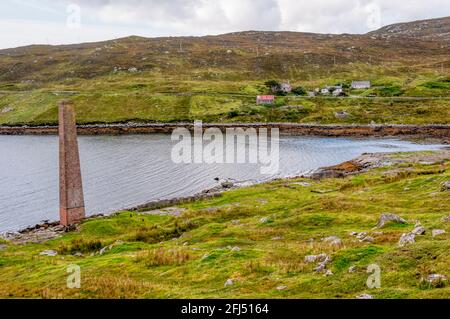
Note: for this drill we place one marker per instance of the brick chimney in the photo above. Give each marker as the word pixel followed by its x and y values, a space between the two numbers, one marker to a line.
pixel 70 185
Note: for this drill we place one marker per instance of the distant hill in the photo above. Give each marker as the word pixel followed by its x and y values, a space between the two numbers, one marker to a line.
pixel 433 29
pixel 250 54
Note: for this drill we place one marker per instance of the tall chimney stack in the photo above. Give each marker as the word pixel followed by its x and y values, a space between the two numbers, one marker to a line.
pixel 71 197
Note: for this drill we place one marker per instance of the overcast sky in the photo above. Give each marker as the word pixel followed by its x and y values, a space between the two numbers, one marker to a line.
pixel 25 22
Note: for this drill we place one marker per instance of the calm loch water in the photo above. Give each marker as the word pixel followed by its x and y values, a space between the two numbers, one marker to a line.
pixel 122 171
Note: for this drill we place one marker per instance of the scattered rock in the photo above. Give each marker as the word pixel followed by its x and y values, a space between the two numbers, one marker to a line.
pixel 236 248
pixel 227 184
pixel 364 296
pixel 78 254
pixel 419 230
pixel 235 222
pixel 341 115
pixel 7 109
pixel 437 232
pixel 228 283
pixel 109 247
pixel 132 70
pixel 316 258
pixel 49 253
pixel 408 238
pixel 323 265
pixel 361 235
pixel 37 234
pixel 347 168
pixel 105 249
pixel 446 219
pixel 352 269
pixel 445 186
pixel 385 218
pixel 264 220
pixel 436 280
pixel 333 241
pixel 310 258
pixel 205 256
pixel 367 239
pixel 328 273
pixel 281 287
pixel 277 238
pixel 3 247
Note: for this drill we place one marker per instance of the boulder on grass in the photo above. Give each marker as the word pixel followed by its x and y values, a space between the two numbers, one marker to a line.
pixel 389 218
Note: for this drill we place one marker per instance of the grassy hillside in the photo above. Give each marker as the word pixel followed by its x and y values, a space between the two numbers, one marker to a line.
pixel 216 78
pixel 258 237
pixel 157 98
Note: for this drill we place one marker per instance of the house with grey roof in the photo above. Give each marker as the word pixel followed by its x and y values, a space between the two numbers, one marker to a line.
pixel 361 85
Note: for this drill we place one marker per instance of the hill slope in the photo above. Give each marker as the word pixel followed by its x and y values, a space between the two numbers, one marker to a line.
pixel 253 53
pixel 153 79
pixel 433 29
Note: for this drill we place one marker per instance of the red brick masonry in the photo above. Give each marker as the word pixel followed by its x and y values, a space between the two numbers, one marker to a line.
pixel 70 184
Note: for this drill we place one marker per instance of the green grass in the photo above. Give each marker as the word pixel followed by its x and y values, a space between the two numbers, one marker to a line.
pixel 41 109
pixel 215 96
pixel 191 257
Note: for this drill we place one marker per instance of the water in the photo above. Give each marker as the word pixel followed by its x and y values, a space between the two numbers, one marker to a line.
pixel 122 171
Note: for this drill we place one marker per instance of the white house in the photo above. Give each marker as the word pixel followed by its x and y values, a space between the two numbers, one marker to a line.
pixel 337 90
pixel 285 87
pixel 361 85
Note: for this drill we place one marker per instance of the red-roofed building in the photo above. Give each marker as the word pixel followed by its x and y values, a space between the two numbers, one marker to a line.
pixel 265 99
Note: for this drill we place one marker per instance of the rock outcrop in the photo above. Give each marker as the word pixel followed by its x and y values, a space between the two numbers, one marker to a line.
pixel 389 218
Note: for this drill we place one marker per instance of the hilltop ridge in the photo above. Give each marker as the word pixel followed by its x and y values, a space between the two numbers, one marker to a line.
pixel 253 52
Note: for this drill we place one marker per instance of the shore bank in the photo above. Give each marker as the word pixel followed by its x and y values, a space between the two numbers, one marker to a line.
pixel 437 131
pixel 269 240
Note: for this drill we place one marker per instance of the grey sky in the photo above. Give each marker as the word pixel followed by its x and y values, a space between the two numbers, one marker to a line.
pixel 61 21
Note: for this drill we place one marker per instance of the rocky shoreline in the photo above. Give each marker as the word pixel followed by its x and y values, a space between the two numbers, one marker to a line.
pixel 47 230
pixel 431 130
